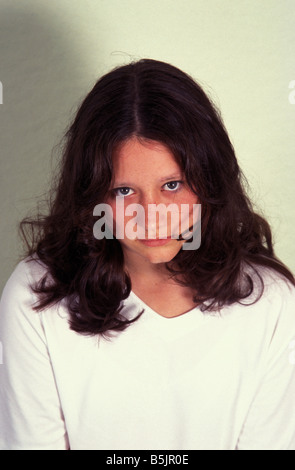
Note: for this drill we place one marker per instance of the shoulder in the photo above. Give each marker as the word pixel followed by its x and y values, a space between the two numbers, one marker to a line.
pixel 269 286
pixel 29 269
pixel 27 273
pixel 278 302
pixel 277 290
pixel 268 314
pixel 18 298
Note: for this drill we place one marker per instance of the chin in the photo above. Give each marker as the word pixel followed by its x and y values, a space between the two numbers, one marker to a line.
pixel 158 259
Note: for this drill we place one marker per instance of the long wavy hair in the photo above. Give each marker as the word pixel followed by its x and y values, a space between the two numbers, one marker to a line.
pixel 155 101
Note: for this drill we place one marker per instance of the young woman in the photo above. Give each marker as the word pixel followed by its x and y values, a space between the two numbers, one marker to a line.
pixel 121 337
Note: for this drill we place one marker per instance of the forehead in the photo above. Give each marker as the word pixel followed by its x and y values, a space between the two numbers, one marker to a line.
pixel 136 157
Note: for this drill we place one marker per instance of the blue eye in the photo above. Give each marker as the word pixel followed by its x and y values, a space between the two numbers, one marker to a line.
pixel 173 185
pixel 122 192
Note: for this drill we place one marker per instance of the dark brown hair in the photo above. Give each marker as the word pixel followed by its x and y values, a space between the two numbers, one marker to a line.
pixel 155 101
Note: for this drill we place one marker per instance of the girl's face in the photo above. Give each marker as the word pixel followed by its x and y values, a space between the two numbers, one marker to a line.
pixel 146 173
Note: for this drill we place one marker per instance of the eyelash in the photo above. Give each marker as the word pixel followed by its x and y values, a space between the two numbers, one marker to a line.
pixel 116 190
pixel 179 183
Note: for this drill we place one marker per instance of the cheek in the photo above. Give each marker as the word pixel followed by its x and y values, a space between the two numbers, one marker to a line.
pixel 189 211
pixel 122 224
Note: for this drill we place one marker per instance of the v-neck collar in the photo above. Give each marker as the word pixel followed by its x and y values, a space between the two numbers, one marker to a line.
pixel 175 326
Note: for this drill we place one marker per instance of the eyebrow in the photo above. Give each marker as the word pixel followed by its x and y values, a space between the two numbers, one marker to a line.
pixel 174 176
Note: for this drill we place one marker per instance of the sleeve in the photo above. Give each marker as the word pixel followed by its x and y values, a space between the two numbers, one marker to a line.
pixel 30 414
pixel 270 424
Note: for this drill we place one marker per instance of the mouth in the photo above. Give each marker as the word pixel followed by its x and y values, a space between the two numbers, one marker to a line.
pixel 155 241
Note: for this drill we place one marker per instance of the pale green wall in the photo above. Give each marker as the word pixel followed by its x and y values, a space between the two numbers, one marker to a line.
pixel 241 51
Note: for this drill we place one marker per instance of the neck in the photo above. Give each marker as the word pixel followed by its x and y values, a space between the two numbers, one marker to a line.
pixel 148 271
pixel 141 269
pixel 155 286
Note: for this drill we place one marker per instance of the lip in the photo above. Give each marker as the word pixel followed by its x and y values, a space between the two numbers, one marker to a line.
pixel 155 241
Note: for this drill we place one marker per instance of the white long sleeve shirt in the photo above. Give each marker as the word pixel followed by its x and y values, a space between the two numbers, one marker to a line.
pixel 196 381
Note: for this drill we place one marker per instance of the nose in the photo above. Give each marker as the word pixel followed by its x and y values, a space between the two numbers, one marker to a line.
pixel 155 215
pixel 149 199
